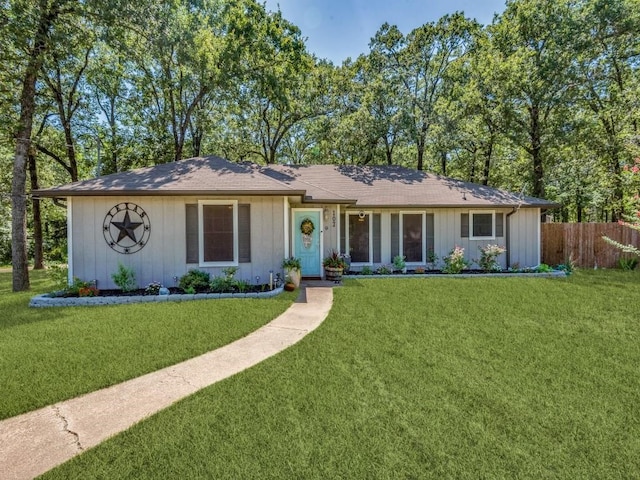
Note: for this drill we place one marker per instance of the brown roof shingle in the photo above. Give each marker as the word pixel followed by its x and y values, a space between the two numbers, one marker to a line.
pixel 364 186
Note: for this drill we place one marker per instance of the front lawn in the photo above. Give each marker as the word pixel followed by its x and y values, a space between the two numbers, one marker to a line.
pixel 51 354
pixel 419 378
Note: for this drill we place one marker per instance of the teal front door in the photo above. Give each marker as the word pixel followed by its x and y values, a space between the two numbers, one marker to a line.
pixel 307 246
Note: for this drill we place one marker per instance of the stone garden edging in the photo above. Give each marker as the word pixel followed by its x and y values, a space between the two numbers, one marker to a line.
pixel 555 273
pixel 43 300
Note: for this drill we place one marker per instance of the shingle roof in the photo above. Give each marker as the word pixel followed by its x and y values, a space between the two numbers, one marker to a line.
pixel 364 186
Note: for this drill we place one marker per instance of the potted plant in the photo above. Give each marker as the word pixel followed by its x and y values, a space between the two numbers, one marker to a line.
pixel 288 285
pixel 334 266
pixel 293 270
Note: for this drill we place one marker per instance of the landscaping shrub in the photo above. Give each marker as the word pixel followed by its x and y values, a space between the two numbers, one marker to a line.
pixel 125 278
pixel 455 262
pixel 194 280
pixel 489 257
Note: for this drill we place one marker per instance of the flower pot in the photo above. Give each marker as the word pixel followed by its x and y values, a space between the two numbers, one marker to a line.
pixel 289 287
pixel 333 274
pixel 294 275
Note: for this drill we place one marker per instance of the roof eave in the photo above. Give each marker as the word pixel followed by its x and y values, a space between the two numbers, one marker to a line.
pixel 163 193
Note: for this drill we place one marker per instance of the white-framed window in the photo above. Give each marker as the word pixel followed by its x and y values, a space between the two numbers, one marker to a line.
pixel 218 233
pixel 482 224
pixel 359 237
pixel 413 238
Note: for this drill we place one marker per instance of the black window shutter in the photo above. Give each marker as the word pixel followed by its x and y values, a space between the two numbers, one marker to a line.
pixel 191 216
pixel 430 233
pixel 377 239
pixel 499 224
pixel 395 235
pixel 464 225
pixel 244 233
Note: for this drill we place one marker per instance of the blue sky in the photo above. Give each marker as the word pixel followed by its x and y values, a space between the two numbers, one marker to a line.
pixel 337 29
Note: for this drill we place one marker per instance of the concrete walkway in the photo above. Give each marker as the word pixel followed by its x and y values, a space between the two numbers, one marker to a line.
pixel 32 443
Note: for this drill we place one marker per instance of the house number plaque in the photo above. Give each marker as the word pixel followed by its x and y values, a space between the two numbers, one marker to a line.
pixel 126 228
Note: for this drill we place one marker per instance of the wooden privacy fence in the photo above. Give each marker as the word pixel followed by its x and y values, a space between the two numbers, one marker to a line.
pixel 584 244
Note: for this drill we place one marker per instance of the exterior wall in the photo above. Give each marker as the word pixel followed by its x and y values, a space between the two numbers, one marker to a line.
pixel 164 256
pixel 525 237
pixel 524 231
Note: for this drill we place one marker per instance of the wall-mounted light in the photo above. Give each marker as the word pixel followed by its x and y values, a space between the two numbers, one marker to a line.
pixel 361 216
pixel 325 213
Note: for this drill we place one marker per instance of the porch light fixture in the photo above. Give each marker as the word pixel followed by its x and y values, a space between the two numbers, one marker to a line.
pixel 325 213
pixel 361 216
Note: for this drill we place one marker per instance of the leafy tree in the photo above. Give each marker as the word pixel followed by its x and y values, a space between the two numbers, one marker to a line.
pixel 421 62
pixel 536 70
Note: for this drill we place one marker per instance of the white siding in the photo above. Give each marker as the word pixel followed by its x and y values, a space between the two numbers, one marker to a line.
pixel 164 256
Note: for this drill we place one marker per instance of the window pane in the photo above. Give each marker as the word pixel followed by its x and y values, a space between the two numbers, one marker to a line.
pixel 482 225
pixel 217 227
pixel 412 237
pixel 359 238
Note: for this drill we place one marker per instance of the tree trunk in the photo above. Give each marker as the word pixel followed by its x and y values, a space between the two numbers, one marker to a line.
pixel 536 153
pixel 71 151
pixel 48 15
pixel 38 250
pixel 487 164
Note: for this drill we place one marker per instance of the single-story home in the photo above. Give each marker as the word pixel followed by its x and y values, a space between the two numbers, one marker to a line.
pixel 209 213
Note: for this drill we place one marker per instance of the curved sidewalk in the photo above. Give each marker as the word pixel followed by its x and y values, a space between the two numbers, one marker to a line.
pixel 35 442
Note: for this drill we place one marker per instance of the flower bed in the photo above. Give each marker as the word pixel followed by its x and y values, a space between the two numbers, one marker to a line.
pixel 116 297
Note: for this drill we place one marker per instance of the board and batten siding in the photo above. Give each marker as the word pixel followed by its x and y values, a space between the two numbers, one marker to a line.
pixel 447 233
pixel 164 256
pixel 524 231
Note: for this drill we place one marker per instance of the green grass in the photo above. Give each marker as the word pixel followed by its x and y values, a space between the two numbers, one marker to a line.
pixel 51 354
pixel 419 378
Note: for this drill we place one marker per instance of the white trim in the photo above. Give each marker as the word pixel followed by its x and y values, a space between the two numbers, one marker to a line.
pixel 285 211
pixel 539 223
pixel 493 224
pixel 338 229
pixel 320 236
pixel 201 262
pixel 69 241
pixel 347 248
pixel 424 234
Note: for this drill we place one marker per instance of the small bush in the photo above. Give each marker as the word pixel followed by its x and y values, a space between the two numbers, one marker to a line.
pixel 124 278
pixel 455 262
pixel 194 279
pixel 543 268
pixel 76 286
pixel 489 258
pixel 90 291
pixel 628 263
pixel 366 270
pixel 153 288
pixel 59 275
pixel 383 270
pixel 230 272
pixel 242 286
pixel 399 263
pixel 221 284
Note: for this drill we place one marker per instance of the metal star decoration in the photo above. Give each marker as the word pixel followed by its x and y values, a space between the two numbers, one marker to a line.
pixel 127 228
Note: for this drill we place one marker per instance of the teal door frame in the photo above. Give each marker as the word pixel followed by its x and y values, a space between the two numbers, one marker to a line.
pixel 310 257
